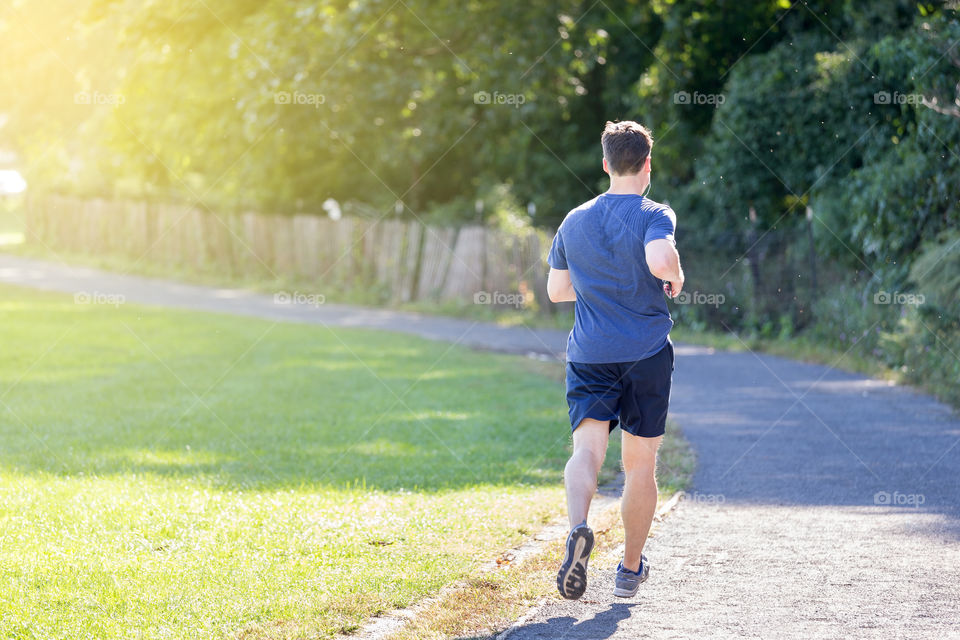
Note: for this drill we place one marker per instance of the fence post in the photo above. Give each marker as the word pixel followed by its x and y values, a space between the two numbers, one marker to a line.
pixel 812 255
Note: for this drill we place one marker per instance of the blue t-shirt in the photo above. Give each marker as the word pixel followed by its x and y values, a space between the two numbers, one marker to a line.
pixel 621 313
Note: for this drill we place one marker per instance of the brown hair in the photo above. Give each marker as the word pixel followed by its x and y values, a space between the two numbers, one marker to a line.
pixel 626 146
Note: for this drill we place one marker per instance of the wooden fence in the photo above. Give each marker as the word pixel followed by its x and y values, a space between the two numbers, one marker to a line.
pixel 402 260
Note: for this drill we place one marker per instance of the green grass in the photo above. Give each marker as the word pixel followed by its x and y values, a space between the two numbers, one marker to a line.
pixel 176 474
pixel 173 474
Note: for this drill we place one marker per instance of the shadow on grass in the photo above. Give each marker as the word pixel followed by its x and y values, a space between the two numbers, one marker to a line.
pixel 187 396
pixel 236 441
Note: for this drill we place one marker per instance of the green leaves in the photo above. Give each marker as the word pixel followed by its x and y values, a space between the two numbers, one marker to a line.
pixel 279 105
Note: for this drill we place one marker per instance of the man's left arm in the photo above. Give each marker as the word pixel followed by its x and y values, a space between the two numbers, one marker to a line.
pixel 660 250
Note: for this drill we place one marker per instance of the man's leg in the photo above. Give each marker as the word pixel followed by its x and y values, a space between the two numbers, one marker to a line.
pixel 639 500
pixel 580 475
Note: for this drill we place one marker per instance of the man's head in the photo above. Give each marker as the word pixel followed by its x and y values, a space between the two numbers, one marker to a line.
pixel 626 148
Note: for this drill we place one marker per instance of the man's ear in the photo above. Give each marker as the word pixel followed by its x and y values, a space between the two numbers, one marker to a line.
pixel 606 169
pixel 646 164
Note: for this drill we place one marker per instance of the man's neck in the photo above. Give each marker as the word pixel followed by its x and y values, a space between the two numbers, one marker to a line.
pixel 627 186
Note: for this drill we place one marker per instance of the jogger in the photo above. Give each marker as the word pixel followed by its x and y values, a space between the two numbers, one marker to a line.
pixel 615 257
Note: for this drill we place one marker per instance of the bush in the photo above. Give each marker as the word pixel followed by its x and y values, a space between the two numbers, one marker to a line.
pixel 932 330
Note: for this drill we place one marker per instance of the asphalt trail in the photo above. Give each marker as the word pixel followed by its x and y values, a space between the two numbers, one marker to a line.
pixel 825 505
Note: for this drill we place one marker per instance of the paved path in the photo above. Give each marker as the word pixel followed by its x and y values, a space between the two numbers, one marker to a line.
pixel 782 536
pixel 76 280
pixel 825 504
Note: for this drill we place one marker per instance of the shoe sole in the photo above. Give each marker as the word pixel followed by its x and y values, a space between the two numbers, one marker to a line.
pixel 623 593
pixel 572 578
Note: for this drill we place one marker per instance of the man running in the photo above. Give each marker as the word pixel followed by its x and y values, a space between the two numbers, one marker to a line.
pixel 616 257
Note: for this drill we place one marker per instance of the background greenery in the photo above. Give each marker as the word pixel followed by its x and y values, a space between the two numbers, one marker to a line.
pixel 821 171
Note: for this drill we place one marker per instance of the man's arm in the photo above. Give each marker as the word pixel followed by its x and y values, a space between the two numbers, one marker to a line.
pixel 559 286
pixel 664 263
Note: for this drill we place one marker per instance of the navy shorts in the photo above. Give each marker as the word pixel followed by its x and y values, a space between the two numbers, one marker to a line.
pixel 634 395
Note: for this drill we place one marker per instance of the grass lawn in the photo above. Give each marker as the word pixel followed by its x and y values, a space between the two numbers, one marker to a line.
pixel 167 474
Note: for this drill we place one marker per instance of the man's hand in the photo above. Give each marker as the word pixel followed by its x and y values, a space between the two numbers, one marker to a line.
pixel 672 289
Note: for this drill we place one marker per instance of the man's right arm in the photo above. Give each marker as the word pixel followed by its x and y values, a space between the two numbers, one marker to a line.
pixel 559 286
pixel 664 263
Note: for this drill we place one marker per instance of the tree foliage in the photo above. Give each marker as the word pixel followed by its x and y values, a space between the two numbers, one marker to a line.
pixel 280 105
